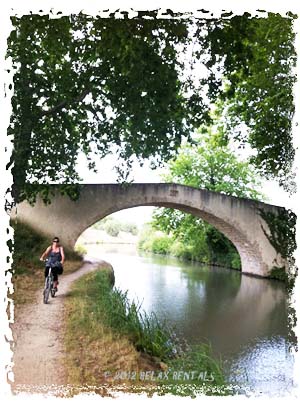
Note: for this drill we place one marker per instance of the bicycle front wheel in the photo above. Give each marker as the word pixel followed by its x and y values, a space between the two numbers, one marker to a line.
pixel 47 290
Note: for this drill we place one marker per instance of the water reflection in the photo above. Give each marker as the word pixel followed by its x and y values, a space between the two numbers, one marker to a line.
pixel 244 318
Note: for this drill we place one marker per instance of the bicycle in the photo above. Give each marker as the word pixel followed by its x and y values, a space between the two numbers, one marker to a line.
pixel 48 288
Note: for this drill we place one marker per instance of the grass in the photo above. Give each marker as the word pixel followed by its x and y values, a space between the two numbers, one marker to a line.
pixel 94 352
pixel 27 269
pixel 195 372
pixel 105 332
pixel 122 316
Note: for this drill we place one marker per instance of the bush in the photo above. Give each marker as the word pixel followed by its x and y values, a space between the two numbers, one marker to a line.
pixel 236 261
pixel 279 273
pixel 161 244
pixel 209 246
pixel 145 234
pixel 112 228
pixel 129 228
pixel 79 248
pixel 153 241
pixel 178 249
pixel 182 251
pixel 29 246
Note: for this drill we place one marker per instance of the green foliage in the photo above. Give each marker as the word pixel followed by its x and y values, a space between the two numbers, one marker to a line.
pixel 259 59
pixel 187 231
pixel 236 261
pixel 161 245
pixel 80 249
pixel 28 247
pixel 90 84
pixel 86 84
pixel 113 307
pixel 153 241
pixel 197 359
pixel 221 250
pixel 279 273
pixel 207 246
pixel 208 164
pixel 143 241
pixel 131 228
pixel 187 252
pixel 282 226
pixel 113 226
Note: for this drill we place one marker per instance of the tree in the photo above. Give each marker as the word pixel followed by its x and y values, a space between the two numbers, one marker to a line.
pixel 259 73
pixel 88 84
pixel 208 164
pixel 95 84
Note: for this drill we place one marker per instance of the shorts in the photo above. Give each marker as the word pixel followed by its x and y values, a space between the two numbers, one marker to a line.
pixel 55 271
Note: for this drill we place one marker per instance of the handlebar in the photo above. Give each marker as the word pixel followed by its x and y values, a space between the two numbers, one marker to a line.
pixel 51 264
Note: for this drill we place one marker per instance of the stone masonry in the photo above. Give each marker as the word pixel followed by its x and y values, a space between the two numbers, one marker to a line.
pixel 237 218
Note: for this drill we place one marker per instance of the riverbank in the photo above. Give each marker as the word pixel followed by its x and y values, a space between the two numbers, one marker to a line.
pixel 209 247
pixel 116 344
pixel 94 352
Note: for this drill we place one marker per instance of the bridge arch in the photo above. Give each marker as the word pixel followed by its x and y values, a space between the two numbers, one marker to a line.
pixel 238 238
pixel 238 219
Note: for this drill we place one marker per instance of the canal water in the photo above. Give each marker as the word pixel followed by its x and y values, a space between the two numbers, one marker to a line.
pixel 245 319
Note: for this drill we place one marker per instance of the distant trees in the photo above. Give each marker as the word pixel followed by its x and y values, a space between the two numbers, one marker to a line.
pixel 113 226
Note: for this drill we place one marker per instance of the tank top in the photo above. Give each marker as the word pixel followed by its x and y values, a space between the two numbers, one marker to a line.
pixel 54 256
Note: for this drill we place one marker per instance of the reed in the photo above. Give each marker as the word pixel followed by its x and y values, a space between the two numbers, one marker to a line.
pixel 126 317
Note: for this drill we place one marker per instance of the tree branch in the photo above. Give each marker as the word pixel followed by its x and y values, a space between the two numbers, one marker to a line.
pixel 64 103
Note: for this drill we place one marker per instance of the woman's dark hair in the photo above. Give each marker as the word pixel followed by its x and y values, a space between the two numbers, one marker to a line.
pixel 56 239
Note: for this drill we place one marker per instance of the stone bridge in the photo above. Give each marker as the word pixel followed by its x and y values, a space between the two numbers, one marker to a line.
pixel 237 218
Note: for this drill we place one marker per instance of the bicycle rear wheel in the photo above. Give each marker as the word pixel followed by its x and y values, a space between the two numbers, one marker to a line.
pixel 47 290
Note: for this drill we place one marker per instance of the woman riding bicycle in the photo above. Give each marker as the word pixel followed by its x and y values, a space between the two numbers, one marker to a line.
pixel 56 257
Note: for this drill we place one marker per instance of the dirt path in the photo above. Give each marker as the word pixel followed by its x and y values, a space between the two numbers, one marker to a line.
pixel 38 335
